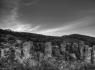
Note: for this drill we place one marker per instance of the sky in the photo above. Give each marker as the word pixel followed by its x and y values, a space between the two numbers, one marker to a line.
pixel 49 17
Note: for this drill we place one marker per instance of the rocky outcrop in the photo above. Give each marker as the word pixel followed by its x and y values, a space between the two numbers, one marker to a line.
pixel 81 49
pixel 87 54
pixel 48 50
pixel 93 54
pixel 68 51
pixel 63 47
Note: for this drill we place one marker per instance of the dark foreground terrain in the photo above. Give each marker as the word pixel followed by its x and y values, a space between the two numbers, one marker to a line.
pixel 28 51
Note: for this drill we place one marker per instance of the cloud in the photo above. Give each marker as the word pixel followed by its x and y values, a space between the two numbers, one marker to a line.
pixel 9 10
pixel 32 29
pixel 28 2
pixel 10 20
pixel 56 29
pixel 10 17
pixel 72 27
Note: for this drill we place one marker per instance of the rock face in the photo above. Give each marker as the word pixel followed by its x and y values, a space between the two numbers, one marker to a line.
pixel 68 47
pixel 18 55
pixel 22 54
pixel 22 51
pixel 56 51
pixel 48 50
pixel 63 47
pixel 81 49
pixel 74 47
pixel 2 53
pixel 72 57
pixel 93 54
pixel 26 49
pixel 87 54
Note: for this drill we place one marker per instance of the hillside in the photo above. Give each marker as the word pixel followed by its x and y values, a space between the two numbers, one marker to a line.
pixel 43 38
pixel 29 51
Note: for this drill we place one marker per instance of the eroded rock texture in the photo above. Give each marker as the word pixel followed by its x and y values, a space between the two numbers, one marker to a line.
pixel 81 49
pixel 21 52
pixel 93 54
pixel 87 54
pixel 63 47
pixel 48 50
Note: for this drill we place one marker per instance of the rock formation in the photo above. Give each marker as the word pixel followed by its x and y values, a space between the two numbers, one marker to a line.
pixel 48 50
pixel 87 54
pixel 81 49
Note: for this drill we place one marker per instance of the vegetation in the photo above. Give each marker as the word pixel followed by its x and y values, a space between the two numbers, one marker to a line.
pixel 42 38
pixel 55 63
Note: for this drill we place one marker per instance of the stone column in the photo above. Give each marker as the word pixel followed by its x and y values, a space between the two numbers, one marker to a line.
pixel 18 56
pixel 74 47
pixel 63 47
pixel 93 54
pixel 68 47
pixel 87 54
pixel 26 49
pixel 75 50
pixel 81 49
pixel 2 53
pixel 48 50
pixel 17 53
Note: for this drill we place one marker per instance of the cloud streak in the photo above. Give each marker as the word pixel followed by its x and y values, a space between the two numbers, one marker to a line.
pixel 10 19
pixel 11 12
pixel 70 27
pixel 32 29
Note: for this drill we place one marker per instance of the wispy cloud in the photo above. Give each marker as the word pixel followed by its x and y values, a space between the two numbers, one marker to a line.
pixel 32 29
pixel 70 27
pixel 11 13
pixel 56 29
pixel 29 2
pixel 10 20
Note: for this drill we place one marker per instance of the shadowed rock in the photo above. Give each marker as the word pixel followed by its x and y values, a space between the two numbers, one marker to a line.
pixel 74 47
pixel 56 51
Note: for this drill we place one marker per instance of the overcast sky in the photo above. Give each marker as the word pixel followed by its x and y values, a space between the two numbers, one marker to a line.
pixel 49 17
